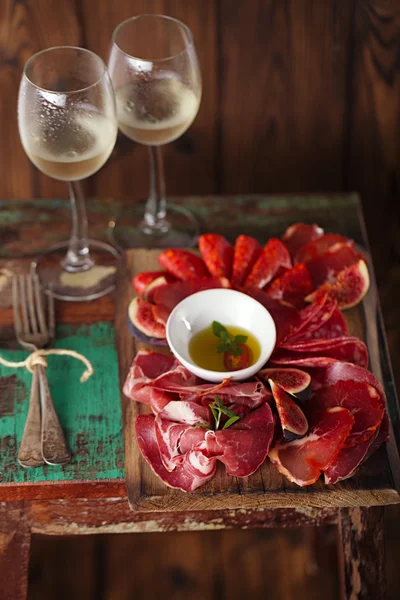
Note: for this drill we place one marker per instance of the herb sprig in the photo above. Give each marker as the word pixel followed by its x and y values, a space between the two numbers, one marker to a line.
pixel 218 409
pixel 228 343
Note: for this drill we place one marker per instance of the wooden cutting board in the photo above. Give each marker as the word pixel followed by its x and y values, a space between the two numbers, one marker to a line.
pixel 267 488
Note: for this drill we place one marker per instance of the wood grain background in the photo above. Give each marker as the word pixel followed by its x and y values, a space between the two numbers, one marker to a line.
pixel 299 95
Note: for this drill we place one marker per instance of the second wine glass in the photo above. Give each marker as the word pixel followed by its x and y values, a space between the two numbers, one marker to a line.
pixel 155 72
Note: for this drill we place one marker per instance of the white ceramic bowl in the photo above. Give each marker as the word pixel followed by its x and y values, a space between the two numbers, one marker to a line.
pixel 228 307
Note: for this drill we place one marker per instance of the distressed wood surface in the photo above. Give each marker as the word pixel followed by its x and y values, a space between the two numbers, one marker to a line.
pixel 362 553
pixel 113 515
pixel 15 540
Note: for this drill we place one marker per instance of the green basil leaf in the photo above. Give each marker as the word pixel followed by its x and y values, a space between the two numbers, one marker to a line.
pixel 218 402
pixel 238 351
pixel 219 330
pixel 231 421
pixel 223 347
pixel 241 339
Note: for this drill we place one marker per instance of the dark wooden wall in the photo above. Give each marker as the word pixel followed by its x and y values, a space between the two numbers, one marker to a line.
pixel 299 95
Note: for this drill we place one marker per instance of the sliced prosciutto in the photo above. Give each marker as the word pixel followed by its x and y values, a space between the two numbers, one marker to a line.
pixel 274 256
pixel 245 445
pixel 217 253
pixel 293 286
pixel 193 469
pixel 302 461
pixel 299 234
pixel 246 252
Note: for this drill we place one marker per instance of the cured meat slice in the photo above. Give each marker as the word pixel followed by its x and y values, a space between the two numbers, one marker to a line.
pixel 160 313
pixel 248 393
pixel 293 421
pixel 319 246
pixel 293 286
pixel 274 256
pixel 299 234
pixel 347 461
pixel 334 327
pixel 302 461
pixel 346 349
pixel 351 285
pixel 141 316
pixel 182 264
pixel 286 318
pixel 361 399
pixel 345 371
pixel 194 468
pixel 325 267
pixel 142 280
pixel 217 253
pixel 145 368
pixel 313 317
pixel 293 381
pixel 169 296
pixel 247 250
pixel 244 446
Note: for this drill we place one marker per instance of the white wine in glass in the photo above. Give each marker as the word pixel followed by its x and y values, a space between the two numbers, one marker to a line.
pixel 68 128
pixel 155 72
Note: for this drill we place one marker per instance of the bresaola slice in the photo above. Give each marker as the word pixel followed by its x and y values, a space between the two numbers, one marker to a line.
pixel 246 252
pixel 293 421
pixel 293 286
pixel 217 253
pixel 299 235
pixel 347 461
pixel 302 461
pixel 274 256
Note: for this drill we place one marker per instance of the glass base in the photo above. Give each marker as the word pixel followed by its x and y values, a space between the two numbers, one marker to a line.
pixel 180 229
pixel 78 286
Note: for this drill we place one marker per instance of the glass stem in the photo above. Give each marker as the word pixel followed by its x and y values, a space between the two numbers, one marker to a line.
pixel 156 205
pixel 77 258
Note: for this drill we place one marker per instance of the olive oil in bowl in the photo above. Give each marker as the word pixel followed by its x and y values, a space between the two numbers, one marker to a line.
pixel 203 348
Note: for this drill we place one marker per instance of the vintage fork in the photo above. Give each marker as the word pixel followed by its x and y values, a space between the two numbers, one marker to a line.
pixel 43 439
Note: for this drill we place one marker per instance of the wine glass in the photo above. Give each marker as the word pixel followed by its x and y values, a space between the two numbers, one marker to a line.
pixel 68 128
pixel 155 72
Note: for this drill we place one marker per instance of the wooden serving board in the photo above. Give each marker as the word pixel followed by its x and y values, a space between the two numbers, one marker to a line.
pixel 267 488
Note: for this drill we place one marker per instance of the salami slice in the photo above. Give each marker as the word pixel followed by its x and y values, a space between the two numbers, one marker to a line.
pixel 299 235
pixel 247 250
pixel 217 253
pixel 346 349
pixel 302 461
pixel 313 317
pixel 182 264
pixel 361 399
pixel 334 327
pixel 272 258
pixel 293 286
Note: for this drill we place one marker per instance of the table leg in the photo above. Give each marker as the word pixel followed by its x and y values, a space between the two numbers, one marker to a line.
pixel 15 541
pixel 362 553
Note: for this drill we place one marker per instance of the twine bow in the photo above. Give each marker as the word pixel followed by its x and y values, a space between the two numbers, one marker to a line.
pixel 38 357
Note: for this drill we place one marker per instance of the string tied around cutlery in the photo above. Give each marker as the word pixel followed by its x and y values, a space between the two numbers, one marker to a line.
pixel 38 357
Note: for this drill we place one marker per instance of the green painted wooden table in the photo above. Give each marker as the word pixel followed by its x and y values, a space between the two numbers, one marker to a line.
pixel 88 495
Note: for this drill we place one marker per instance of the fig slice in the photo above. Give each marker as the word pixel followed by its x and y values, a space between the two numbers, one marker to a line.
pixel 293 381
pixel 294 423
pixel 142 324
pixel 153 286
pixel 350 287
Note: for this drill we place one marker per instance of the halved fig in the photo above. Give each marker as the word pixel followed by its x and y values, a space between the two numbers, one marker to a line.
pixel 141 281
pixel 294 423
pixel 293 381
pixel 142 324
pixel 183 264
pixel 350 287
